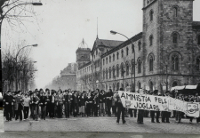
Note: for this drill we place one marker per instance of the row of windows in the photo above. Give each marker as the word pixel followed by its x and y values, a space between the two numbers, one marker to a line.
pixel 112 58
pixel 175 38
pixel 121 69
pixel 175 13
pixel 126 68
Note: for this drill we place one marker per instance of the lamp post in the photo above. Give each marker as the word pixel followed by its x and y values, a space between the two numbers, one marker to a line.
pixel 34 45
pixel 114 33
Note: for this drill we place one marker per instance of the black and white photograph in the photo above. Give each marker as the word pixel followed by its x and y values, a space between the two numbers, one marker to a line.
pixel 100 66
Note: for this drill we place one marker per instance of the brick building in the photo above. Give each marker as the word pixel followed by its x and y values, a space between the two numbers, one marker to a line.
pixel 167 52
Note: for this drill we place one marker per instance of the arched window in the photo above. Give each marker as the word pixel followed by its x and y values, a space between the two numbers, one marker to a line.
pixel 151 40
pixel 106 73
pixel 150 63
pixel 133 48
pixel 139 45
pixel 118 86
pixel 174 84
pixel 139 85
pixel 117 68
pixel 122 52
pixel 151 15
pixel 109 58
pixel 198 39
pixel 117 55
pixel 127 69
pixel 175 12
pixel 113 71
pixel 175 63
pixel 103 75
pixel 106 60
pixel 139 66
pixel 122 70
pixel 175 37
pixel 151 86
pixel 132 66
pixel 113 87
pixel 113 57
pixel 110 73
pixel 127 51
pixel 198 63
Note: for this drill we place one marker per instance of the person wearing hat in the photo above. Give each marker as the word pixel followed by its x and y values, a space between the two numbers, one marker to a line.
pixel 8 102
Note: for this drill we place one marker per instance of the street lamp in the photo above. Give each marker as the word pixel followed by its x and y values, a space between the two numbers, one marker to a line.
pixel 34 45
pixel 114 33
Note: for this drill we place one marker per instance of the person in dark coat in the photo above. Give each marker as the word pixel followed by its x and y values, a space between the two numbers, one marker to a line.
pixel 34 101
pixel 155 93
pixel 18 106
pixel 75 103
pixel 102 102
pixel 66 103
pixel 89 102
pixel 8 102
pixel 165 114
pixel 109 96
pixel 43 103
pixel 82 103
pixel 120 108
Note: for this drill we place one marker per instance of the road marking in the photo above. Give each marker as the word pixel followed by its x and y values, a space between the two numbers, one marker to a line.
pixel 137 136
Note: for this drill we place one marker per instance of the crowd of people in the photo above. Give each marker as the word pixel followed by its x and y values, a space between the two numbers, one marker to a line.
pixel 40 104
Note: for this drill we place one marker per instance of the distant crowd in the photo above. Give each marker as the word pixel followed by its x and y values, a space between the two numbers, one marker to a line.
pixel 42 104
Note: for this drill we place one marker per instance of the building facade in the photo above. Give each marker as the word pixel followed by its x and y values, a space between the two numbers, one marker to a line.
pixel 167 52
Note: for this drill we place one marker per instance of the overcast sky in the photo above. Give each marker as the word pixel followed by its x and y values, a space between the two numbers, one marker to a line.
pixel 60 25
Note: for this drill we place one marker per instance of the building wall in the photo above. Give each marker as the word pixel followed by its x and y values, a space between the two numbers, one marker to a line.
pixel 169 17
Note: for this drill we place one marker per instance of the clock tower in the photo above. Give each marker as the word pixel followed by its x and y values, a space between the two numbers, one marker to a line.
pixel 82 54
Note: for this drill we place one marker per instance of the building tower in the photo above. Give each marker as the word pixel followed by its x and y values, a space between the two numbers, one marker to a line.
pixel 82 54
pixel 168 42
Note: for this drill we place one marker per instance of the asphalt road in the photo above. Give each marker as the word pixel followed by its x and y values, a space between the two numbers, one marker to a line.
pixel 103 124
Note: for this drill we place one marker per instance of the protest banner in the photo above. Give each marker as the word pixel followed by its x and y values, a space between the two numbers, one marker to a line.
pixel 158 103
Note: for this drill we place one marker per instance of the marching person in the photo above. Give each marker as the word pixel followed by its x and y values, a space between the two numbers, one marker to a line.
pixel 82 103
pixel 34 101
pixel 75 103
pixel 8 102
pixel 140 115
pixel 155 93
pixel 178 113
pixel 48 106
pixel 26 106
pixel 166 114
pixel 60 104
pixel 43 103
pixel 102 103
pixel 197 99
pixel 52 104
pixel 120 108
pixel 66 103
pixel 89 102
pixel 109 101
pixel 18 106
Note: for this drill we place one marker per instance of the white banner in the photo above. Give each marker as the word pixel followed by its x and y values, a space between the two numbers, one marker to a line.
pixel 158 103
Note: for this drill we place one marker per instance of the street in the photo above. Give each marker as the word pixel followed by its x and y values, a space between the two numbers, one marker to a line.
pixel 103 124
